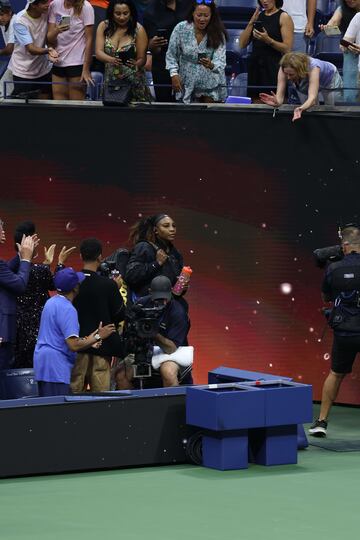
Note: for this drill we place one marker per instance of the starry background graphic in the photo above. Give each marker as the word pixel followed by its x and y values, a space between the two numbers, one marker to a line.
pixel 252 197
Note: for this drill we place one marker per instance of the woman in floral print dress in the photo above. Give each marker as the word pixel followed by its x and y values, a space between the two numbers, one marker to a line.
pixel 196 56
pixel 119 34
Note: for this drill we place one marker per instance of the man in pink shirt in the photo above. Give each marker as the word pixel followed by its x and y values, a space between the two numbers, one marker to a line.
pixel 31 60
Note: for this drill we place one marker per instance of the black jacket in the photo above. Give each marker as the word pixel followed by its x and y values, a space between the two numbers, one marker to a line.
pixel 142 267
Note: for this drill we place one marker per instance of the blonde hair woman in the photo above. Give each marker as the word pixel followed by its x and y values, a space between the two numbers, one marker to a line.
pixel 309 76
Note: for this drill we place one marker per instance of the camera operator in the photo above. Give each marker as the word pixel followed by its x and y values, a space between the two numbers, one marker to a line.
pixel 173 330
pixel 341 286
pixel 99 299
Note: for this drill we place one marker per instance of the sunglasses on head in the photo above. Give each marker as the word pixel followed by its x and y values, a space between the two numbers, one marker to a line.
pixel 207 2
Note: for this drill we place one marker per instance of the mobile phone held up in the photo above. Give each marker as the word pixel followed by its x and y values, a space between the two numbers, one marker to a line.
pixel 124 56
pixel 345 43
pixel 163 33
pixel 258 25
pixel 202 55
pixel 64 21
pixel 332 31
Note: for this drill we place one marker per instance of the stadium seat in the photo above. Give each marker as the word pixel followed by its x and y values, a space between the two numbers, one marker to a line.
pixel 235 63
pixel 327 48
pixel 17 5
pixel 236 13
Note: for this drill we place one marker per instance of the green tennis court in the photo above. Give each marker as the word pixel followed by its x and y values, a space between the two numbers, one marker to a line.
pixel 316 499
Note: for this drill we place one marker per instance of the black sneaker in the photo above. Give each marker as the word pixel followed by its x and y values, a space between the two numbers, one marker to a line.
pixel 318 429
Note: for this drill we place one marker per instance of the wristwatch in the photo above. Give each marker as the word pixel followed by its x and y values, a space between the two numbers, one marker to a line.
pixel 97 337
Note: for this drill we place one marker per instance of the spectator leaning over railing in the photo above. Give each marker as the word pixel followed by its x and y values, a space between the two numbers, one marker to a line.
pixel 31 60
pixel 121 43
pixel 70 30
pixel 7 30
pixel 196 57
pixel 352 35
pixel 342 18
pixel 309 75
pixel 271 32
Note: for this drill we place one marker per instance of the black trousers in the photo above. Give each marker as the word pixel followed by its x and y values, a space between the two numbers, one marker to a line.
pixel 163 94
pixel 6 355
pixel 344 351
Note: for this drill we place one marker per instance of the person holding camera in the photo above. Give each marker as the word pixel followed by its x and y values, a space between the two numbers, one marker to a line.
pixel 173 327
pixel 160 19
pixel 271 32
pixel 341 286
pixel 99 299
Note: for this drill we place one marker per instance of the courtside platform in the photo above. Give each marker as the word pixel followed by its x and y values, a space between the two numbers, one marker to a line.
pixel 255 420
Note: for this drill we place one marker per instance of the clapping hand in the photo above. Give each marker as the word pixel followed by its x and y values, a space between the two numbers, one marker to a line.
pixel 49 254
pixel 26 247
pixel 64 254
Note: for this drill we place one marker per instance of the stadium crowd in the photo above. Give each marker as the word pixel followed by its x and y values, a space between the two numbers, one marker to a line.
pixel 183 43
pixel 99 328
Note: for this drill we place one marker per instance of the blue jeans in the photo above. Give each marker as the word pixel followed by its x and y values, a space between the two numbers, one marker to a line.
pixel 350 76
pixel 301 42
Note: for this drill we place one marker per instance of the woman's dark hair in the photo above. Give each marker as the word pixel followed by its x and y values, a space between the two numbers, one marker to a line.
pixel 215 31
pixel 112 26
pixel 347 13
pixel 27 228
pixel 143 230
pixel 278 3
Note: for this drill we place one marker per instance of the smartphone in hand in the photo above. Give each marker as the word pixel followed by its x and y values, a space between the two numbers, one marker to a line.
pixel 163 33
pixel 65 20
pixel 258 25
pixel 202 55
pixel 332 31
pixel 124 56
pixel 345 43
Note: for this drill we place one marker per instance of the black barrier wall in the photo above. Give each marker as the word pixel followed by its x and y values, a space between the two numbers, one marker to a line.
pixel 252 196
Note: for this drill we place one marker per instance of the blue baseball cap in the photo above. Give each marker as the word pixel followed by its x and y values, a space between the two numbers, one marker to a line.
pixel 67 279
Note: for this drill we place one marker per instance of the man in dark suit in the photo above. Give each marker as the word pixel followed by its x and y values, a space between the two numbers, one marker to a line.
pixel 13 281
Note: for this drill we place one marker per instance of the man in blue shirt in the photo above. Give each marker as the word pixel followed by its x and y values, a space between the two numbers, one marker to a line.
pixel 58 339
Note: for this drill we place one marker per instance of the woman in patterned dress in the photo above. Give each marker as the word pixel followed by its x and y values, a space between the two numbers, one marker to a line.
pixel 119 34
pixel 196 57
